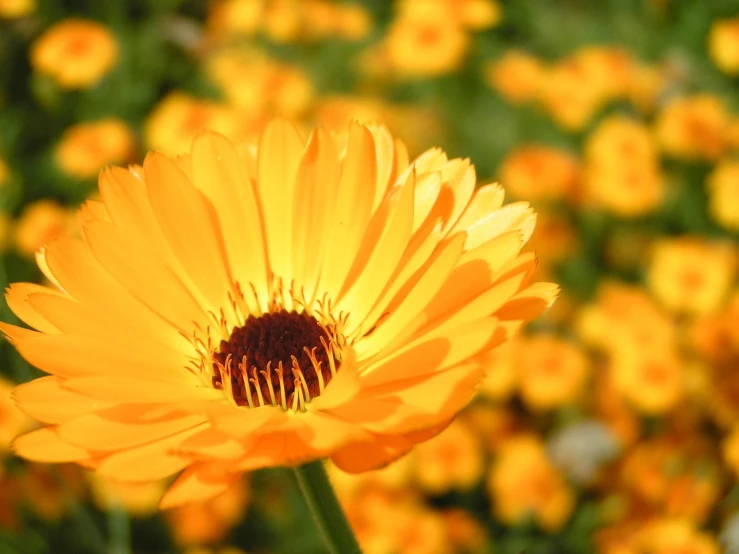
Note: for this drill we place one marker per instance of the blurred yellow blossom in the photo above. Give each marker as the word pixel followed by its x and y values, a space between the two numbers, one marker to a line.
pixel 551 372
pixel 516 75
pixel 451 460
pixel 40 222
pixel 259 86
pixel 693 127
pixel 353 21
pixel 85 148
pixel 621 169
pixel 475 15
pixel 645 86
pixel 138 499
pixel 523 483
pixel 179 118
pixel 465 532
pixel 77 53
pixel 653 381
pixel 13 421
pixel 537 172
pixel 723 194
pixel 16 8
pixel 676 536
pixel 501 369
pixel 424 46
pixel 578 86
pixel 723 44
pixel 692 275
pixel 229 18
pixel 209 521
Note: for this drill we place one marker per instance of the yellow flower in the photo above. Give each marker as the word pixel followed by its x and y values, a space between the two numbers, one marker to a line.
pixel 138 499
pixel 539 172
pixel 516 75
pixel 257 85
pixel 476 15
pixel 671 536
pixel 229 18
pixel 75 52
pixel 723 44
pixel 551 372
pixel 578 86
pixel 210 521
pixel 16 8
pixel 652 381
pixel 85 148
pixel 691 275
pixel 693 127
pixel 179 117
pixel 289 302
pixel 723 194
pixel 524 483
pixel 621 170
pixel 13 420
pixel 353 21
pixel 451 460
pixel 39 223
pixel 425 46
pixel 501 375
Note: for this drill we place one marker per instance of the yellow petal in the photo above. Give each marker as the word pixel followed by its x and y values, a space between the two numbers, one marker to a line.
pixel 353 208
pixel 312 209
pixel 405 319
pixel 144 275
pixel 219 171
pixel 82 276
pixel 44 445
pixel 121 427
pixel 187 220
pixel 46 400
pixel 482 226
pixel 361 457
pixel 279 154
pixel 149 462
pixel 127 388
pixel 17 298
pixel 197 483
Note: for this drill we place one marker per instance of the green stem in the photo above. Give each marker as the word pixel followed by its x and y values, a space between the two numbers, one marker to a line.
pixel 326 510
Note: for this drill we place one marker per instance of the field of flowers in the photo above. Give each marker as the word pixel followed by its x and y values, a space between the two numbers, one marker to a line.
pixel 609 425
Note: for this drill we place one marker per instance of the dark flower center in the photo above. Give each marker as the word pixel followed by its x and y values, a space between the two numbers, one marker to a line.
pixel 280 359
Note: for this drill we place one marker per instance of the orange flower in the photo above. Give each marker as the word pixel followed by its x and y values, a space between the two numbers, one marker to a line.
pixel 476 15
pixel 524 483
pixel 693 127
pixel 691 275
pixel 425 46
pixel 75 52
pixel 179 117
pixel 539 172
pixel 257 85
pixel 451 460
pixel 652 381
pixel 622 172
pixel 516 75
pixel 550 372
pixel 671 536
pixel 12 420
pixel 86 147
pixel 139 499
pixel 16 8
pixel 723 194
pixel 723 44
pixel 289 303
pixel 209 521
pixel 40 222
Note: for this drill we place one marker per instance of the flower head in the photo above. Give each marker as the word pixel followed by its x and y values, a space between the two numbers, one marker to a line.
pixel 77 53
pixel 234 309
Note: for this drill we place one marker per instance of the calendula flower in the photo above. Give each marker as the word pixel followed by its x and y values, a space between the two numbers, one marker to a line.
pixel 516 75
pixel 10 9
pixel 723 44
pixel 86 147
pixel 77 53
pixel 291 301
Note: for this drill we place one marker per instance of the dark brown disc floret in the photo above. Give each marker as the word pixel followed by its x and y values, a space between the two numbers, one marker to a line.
pixel 280 358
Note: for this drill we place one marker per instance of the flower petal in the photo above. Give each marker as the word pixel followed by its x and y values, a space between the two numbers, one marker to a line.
pixel 197 483
pixel 45 445
pixel 46 400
